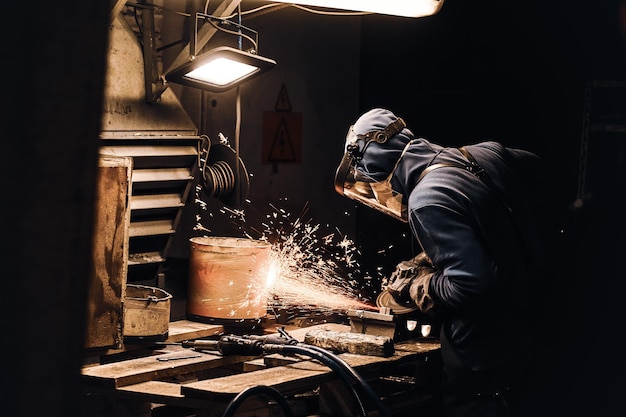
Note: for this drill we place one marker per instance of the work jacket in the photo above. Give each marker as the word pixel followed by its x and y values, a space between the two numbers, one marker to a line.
pixel 483 242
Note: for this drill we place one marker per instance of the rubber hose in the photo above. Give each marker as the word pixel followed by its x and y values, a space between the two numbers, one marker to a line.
pixel 305 349
pixel 256 390
pixel 357 378
pixel 345 371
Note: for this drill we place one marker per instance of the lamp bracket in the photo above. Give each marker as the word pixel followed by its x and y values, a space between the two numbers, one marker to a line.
pixel 253 38
pixel 225 8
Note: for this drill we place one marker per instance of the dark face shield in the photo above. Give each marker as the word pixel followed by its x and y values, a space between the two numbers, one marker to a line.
pixel 358 186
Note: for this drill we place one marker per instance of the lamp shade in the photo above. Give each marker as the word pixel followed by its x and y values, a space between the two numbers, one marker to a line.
pixel 219 69
pixel 406 8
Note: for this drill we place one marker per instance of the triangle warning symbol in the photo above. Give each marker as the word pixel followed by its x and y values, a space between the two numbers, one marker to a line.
pixel 282 148
pixel 283 103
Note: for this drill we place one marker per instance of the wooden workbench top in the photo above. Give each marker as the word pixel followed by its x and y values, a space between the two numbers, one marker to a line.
pixel 163 375
pixel 169 360
pixel 298 375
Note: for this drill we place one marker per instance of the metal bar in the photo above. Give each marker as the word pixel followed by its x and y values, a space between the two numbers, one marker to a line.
pixel 145 151
pixel 150 228
pixel 116 8
pixel 205 33
pixel 166 174
pixel 150 68
pixel 153 201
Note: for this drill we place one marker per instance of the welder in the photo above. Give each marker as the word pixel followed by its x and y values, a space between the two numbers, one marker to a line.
pixel 470 209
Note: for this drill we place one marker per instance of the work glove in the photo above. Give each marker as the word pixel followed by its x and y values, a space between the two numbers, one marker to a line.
pixel 410 281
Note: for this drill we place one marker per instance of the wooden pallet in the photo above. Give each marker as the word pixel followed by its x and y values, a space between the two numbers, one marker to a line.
pixel 206 382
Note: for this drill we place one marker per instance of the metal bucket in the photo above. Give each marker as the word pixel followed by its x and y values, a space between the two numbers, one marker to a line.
pixel 146 313
pixel 227 280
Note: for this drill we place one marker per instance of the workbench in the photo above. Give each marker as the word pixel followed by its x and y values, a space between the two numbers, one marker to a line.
pixel 166 379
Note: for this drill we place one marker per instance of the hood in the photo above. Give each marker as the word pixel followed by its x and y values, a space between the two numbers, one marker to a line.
pixel 379 159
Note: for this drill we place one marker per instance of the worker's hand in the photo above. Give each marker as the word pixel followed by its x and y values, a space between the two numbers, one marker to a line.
pixel 400 282
pixel 408 285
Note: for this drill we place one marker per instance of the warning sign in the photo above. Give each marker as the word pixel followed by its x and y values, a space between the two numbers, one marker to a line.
pixel 282 137
pixel 283 103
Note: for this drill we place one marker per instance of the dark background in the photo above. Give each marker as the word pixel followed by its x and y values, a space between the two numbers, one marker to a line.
pixel 512 71
pixel 517 72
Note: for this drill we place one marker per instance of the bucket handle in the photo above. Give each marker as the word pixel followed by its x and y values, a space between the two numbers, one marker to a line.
pixel 150 298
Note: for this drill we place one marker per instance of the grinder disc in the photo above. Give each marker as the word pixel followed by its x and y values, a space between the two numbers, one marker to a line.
pixel 385 299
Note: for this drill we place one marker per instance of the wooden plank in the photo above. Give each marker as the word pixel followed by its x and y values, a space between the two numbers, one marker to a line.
pixel 297 376
pixel 155 389
pixel 155 392
pixel 180 361
pixel 175 361
pixel 291 378
pixel 107 280
pixel 179 330
pixel 144 369
pixel 189 330
pixel 254 365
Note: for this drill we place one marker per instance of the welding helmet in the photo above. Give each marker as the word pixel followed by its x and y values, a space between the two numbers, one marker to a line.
pixel 374 147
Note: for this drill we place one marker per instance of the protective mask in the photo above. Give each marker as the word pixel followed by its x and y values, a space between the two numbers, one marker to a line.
pixel 358 186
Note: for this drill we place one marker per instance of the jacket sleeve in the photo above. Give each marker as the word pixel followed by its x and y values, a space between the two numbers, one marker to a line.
pixel 464 273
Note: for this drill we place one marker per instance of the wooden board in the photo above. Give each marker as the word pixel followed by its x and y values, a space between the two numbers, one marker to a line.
pixel 189 330
pixel 107 280
pixel 133 371
pixel 174 360
pixel 155 392
pixel 155 388
pixel 296 376
pixel 195 382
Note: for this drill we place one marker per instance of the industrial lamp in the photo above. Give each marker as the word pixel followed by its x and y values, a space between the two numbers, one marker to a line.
pixel 406 8
pixel 220 68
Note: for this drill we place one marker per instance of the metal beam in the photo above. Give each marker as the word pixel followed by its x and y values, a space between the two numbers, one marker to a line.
pixel 116 8
pixel 206 32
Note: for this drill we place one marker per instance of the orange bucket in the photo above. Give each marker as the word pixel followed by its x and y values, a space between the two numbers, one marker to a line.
pixel 227 280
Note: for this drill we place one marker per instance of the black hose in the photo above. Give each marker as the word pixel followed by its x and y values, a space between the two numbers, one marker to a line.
pixel 357 378
pixel 256 390
pixel 345 371
pixel 325 357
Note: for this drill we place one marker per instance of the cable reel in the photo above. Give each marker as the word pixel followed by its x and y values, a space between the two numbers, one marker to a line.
pixel 224 175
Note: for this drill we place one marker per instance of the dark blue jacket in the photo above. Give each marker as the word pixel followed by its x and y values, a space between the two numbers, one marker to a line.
pixel 483 243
